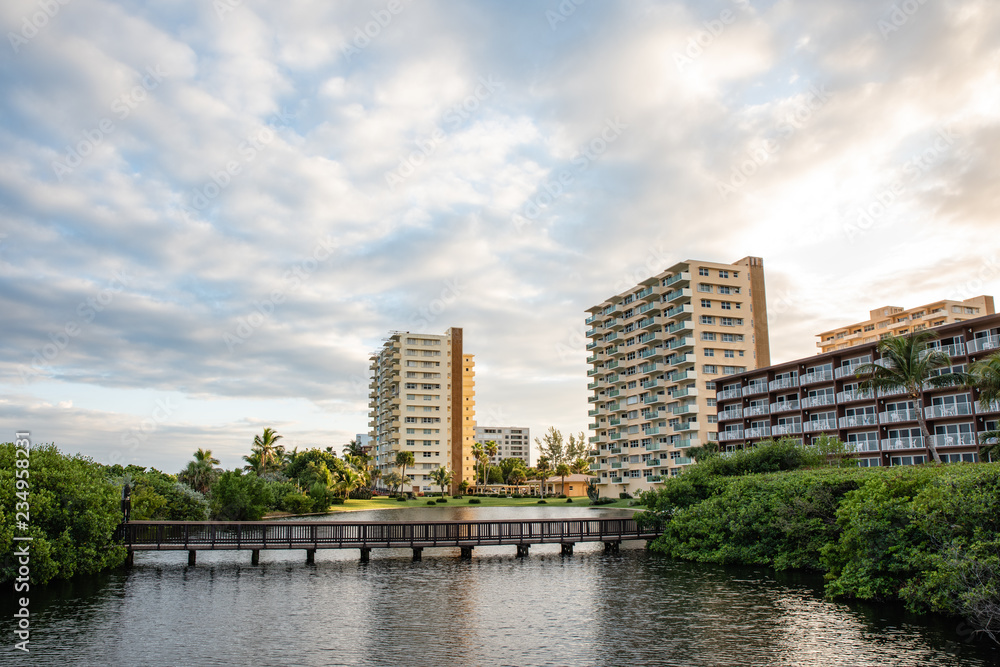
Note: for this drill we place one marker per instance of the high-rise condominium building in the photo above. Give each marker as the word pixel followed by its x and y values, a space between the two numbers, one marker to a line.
pixel 818 395
pixel 894 321
pixel 423 400
pixel 513 442
pixel 656 350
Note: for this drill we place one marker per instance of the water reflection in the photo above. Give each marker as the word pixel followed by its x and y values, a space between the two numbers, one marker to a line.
pixel 587 609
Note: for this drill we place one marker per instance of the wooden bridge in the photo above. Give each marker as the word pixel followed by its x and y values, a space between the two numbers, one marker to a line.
pixel 253 536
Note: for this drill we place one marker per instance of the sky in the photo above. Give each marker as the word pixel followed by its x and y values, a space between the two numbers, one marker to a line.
pixel 211 213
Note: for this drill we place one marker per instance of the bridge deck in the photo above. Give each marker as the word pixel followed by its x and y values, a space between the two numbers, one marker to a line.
pixel 256 535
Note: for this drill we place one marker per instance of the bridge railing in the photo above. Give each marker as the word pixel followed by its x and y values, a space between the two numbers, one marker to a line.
pixel 288 534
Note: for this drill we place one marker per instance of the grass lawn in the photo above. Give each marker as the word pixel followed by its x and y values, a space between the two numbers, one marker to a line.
pixel 383 502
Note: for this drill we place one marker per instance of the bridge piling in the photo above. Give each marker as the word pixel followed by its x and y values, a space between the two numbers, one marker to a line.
pixel 191 557
pixel 255 557
pixel 612 547
pixel 365 554
pixel 567 549
pixel 417 551
pixel 466 553
pixel 310 556
pixel 522 550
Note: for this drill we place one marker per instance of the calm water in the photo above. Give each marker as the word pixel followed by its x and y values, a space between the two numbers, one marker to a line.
pixel 633 608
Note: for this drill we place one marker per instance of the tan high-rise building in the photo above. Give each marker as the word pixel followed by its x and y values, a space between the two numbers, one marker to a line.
pixel 422 400
pixel 656 351
pixel 894 321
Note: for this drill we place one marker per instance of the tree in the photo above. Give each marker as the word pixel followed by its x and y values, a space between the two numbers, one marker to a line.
pixel 577 448
pixel 442 476
pixel 985 378
pixel 200 473
pixel 240 497
pixel 907 363
pixel 543 471
pixel 511 468
pixel 393 481
pixel 404 459
pixel 490 450
pixel 264 449
pixel 552 446
pixel 581 466
pixel 477 456
pixel 353 448
pixel 562 470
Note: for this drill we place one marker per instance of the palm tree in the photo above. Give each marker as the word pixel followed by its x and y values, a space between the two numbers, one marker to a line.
pixel 543 470
pixel 254 462
pixel 348 479
pixel 490 450
pixel 907 363
pixel 477 456
pixel 205 456
pixel 404 459
pixel 985 377
pixel 353 448
pixel 562 470
pixel 200 473
pixel 442 476
pixel 581 466
pixel 264 445
pixel 392 481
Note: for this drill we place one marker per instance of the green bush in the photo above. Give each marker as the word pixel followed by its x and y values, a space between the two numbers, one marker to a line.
pixel 543 502
pixel 602 501
pixel 297 503
pixel 74 510
pixel 236 496
pixel 569 500
pixel 475 501
pixel 401 499
pixel 459 497
pixel 432 502
pixel 441 500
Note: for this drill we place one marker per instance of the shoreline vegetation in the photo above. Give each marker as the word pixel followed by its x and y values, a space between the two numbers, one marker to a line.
pixel 927 536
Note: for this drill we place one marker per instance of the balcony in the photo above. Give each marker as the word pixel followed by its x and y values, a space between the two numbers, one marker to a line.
pixel 956 350
pixel 683 461
pixel 614 323
pixel 610 337
pixel 817 376
pixel 679 360
pixel 614 421
pixel 684 292
pixel 613 392
pixel 646 307
pixel 730 415
pixel 678 309
pixel 756 411
pixel 594 358
pixel 593 318
pixel 991 407
pixel 783 383
pixel 727 436
pixel 611 378
pixel 684 325
pixel 889 444
pixel 649 322
pixel 689 374
pixel 854 395
pixel 683 276
pixel 613 349
pixel 614 480
pixel 784 406
pixel 691 409
pixel 952 410
pixel 861 446
pixel 652 431
pixel 593 413
pixel 685 426
pixel 819 400
pixel 653 447
pixel 611 365
pixel 681 342
pixel 686 392
pixel 757 432
pixel 616 465
pixel 593 385
pixel 651 399
pixel 651 353
pixel 593 332
pixel 645 293
pixel 726 394
pixel 892 392
pixel 819 425
pixel 755 388
pixel 593 427
pixel 847 371
pixel 594 371
pixel 650 383
pixel 986 344
pixel 591 346
pixel 615 436
pixel 614 450
pixel 595 466
pixel 686 442
pixel 652 463
pixel 593 399
pixel 786 429
pixel 853 421
pixel 892 416
pixel 954 440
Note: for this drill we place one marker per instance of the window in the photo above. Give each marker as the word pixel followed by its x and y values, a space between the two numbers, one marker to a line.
pixel 729 354
pixel 723 274
pixel 707 335
pixel 713 419
pixel 710 386
pixel 705 303
pixel 708 368
pixel 708 319
pixel 723 289
pixel 732 338
pixel 704 287
pixel 711 402
pixel 727 305
pixel 702 271
pixel 427 455
pixel 709 352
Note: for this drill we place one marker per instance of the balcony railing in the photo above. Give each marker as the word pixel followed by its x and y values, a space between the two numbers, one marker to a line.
pixel 890 444
pixel 820 425
pixel 685 426
pixel 955 350
pixel 683 460
pixel 756 410
pixel 786 429
pixel 688 391
pixel 685 409
pixel 783 383
pixel 730 415
pixel 816 401
pixel 784 406
pixel 645 293
pixel 983 344
pixel 851 421
pixel 681 342
pixel 651 399
pixel 846 371
pixel 757 432
pixel 755 388
pixel 652 431
pixel 993 406
pixel 677 294
pixel 862 446
pixel 726 436
pixel 726 394
pixel 676 278
pixel 685 442
pixel 893 416
pixel 678 309
pixel 817 376
pixel 854 395
pixel 954 440
pixel 952 410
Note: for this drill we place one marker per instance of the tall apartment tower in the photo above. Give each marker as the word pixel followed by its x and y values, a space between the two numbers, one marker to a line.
pixel 422 400
pixel 513 442
pixel 656 350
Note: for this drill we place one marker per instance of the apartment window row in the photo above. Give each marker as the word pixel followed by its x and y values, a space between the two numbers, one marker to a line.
pixel 723 273
pixel 423 341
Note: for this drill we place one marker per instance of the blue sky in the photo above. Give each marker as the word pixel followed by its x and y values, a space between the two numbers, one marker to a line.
pixel 210 213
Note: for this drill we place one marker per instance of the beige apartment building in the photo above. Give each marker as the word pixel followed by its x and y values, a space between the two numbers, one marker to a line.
pixel 513 442
pixel 656 351
pixel 422 399
pixel 894 321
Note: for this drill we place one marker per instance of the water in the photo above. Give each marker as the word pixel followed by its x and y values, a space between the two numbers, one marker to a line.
pixel 633 608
